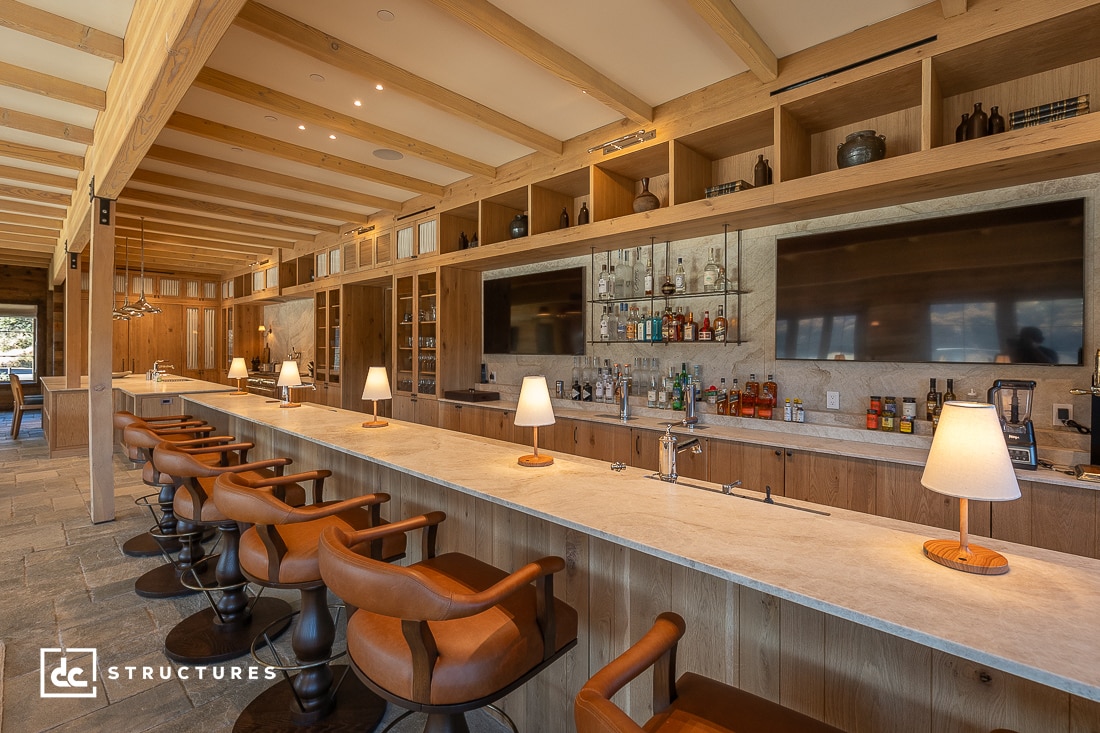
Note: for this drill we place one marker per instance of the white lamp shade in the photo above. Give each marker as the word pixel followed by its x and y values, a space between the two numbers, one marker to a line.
pixel 288 374
pixel 377 386
pixel 969 457
pixel 534 403
pixel 238 370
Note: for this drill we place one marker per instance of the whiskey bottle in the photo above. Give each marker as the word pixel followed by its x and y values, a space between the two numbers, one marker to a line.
pixel 705 332
pixel 769 399
pixel 749 397
pixel 690 332
pixel 721 327
pixel 734 399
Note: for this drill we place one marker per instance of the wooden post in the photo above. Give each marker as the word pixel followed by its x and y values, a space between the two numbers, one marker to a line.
pixel 74 345
pixel 100 330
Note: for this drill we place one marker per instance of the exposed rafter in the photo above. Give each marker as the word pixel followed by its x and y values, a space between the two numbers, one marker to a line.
pixel 286 237
pixel 32 231
pixel 495 23
pixel 210 238
pixel 189 185
pixel 266 98
pixel 31 20
pixel 34 154
pixel 53 87
pixel 951 8
pixel 733 28
pixel 44 126
pixel 287 31
pixel 12 173
pixel 248 173
pixel 31 221
pixel 30 239
pixel 287 151
pixel 19 207
pixel 34 194
pixel 237 212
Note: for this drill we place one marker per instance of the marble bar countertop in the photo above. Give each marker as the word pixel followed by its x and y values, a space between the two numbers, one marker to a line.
pixel 869 445
pixel 136 385
pixel 1039 621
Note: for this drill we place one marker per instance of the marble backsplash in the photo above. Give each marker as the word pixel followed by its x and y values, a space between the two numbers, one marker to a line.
pixel 855 381
pixel 291 330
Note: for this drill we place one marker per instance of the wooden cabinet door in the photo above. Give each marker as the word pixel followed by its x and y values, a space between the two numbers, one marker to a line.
pixel 1062 518
pixel 497 424
pixel 450 416
pixel 761 466
pixel 427 412
pixel 560 437
pixel 837 481
pixel 403 408
pixel 603 442
pixel 900 495
pixel 644 447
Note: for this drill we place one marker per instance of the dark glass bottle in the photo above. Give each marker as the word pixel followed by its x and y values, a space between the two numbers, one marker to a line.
pixel 582 217
pixel 931 400
pixel 949 395
pixel 760 172
pixel 564 223
pixel 960 131
pixel 978 124
pixel 996 122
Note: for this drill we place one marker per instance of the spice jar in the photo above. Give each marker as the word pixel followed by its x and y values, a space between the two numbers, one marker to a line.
pixel 872 419
pixel 906 424
pixel 876 404
pixel 886 422
pixel 909 407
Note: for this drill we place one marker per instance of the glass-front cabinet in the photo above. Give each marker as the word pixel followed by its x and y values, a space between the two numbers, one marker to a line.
pixel 416 311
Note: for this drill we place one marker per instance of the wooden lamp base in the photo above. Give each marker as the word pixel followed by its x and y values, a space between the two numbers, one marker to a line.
pixel 290 404
pixel 375 424
pixel 971 559
pixel 238 392
pixel 534 461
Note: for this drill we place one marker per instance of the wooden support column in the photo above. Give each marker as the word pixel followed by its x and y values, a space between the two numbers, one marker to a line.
pixel 74 329
pixel 100 394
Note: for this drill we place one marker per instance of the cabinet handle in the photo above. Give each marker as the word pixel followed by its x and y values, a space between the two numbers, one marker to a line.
pixel 789 454
pixel 779 453
pixel 574 434
pixel 637 445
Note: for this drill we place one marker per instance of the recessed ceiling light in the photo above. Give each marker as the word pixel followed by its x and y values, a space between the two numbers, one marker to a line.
pixel 387 154
pixel 236 149
pixel 331 137
pixel 271 118
pixel 378 87
pixel 357 103
pixel 385 15
pixel 316 77
pixel 301 127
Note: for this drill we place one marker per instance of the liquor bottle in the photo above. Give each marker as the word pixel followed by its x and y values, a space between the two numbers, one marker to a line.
pixel 651 391
pixel 648 283
pixel 612 284
pixel 645 323
pixel 625 276
pixel 931 399
pixel 601 284
pixel 711 273
pixel 665 390
pixel 632 324
pixel 668 325
pixel 697 380
pixel 705 332
pixel 769 399
pixel 621 322
pixel 721 327
pixel 949 395
pixel 677 391
pixel 605 325
pixel 599 384
pixel 678 325
pixel 685 380
pixel 656 333
pixel 788 411
pixel 586 392
pixel 749 396
pixel 680 277
pixel 575 390
pixel 608 385
pixel 690 329
pixel 735 398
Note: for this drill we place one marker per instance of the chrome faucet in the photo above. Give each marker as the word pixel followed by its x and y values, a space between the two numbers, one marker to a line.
pixel 624 402
pixel 689 406
pixel 160 366
pixel 669 449
pixel 1095 390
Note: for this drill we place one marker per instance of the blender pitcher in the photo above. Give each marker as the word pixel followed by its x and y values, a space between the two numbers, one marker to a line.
pixel 1012 398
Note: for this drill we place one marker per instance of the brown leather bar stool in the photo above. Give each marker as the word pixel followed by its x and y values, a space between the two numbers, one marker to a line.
pixel 173 428
pixel 691 704
pixel 164 582
pixel 22 403
pixel 226 629
pixel 450 633
pixel 280 551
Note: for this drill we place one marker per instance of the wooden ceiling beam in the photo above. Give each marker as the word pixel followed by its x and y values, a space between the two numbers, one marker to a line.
pixel 20 258
pixel 202 188
pixel 298 109
pixel 45 241
pixel 34 194
pixel 213 237
pixel 179 265
pixel 218 132
pixel 279 180
pixel 237 212
pixel 30 221
pixel 283 29
pixel 732 27
pixel 60 30
pixel 285 237
pixel 44 126
pixel 34 154
pixel 170 41
pixel 498 25
pixel 199 245
pixel 163 251
pixel 53 87
pixel 951 8
pixel 43 179
pixel 33 231
pixel 18 207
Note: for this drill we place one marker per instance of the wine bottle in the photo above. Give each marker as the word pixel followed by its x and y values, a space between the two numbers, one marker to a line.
pixel 949 395
pixel 930 400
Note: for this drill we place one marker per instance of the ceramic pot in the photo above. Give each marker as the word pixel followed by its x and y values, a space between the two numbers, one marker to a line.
pixel 960 131
pixel 859 148
pixel 519 226
pixel 978 124
pixel 646 201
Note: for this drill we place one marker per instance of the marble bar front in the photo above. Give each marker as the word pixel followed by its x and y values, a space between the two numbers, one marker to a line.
pixel 830 612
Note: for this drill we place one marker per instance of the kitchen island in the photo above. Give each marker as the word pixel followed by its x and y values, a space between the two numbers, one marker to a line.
pixel 65 409
pixel 834 613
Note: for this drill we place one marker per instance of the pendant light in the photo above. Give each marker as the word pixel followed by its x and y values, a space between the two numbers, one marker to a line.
pixel 132 311
pixel 118 314
pixel 142 303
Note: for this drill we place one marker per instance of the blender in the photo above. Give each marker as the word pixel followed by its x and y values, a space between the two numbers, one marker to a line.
pixel 1012 398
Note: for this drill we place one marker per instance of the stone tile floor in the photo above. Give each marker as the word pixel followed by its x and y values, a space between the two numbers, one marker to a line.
pixel 64 582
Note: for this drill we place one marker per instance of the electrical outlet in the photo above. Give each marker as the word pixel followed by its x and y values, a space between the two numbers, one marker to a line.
pixel 832 400
pixel 1061 414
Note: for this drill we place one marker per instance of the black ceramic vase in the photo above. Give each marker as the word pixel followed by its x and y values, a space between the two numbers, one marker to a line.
pixel 859 148
pixel 519 226
pixel 646 201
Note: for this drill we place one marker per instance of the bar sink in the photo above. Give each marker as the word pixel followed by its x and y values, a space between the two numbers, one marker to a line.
pixel 609 416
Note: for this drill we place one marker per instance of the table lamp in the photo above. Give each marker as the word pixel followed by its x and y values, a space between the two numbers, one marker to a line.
pixel 238 371
pixel 534 410
pixel 969 460
pixel 289 377
pixel 377 387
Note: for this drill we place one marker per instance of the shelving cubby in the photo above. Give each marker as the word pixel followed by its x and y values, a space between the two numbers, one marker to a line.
pixel 497 213
pixel 566 191
pixel 617 181
pixel 720 154
pixel 454 223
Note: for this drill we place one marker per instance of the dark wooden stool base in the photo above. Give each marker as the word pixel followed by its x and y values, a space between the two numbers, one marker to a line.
pixel 201 639
pixel 145 545
pixel 164 582
pixel 356 709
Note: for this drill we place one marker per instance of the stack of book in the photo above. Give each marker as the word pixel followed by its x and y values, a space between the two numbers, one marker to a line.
pixel 724 188
pixel 1072 107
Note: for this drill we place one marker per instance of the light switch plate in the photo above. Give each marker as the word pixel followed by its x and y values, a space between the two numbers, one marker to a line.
pixel 1061 413
pixel 832 400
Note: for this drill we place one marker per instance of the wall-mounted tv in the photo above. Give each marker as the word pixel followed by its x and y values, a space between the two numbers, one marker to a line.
pixel 541 313
pixel 1002 286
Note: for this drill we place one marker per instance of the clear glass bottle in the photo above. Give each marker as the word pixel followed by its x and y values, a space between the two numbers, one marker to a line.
pixel 651 389
pixel 712 273
pixel 612 284
pixel 575 390
pixel 599 384
pixel 601 284
pixel 625 275
pixel 680 277
pixel 622 321
pixel 647 283
pixel 605 325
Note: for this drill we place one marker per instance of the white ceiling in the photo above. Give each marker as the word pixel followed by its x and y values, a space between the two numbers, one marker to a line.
pixel 658 50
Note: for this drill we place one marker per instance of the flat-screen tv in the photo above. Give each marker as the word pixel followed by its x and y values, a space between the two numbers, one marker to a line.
pixel 1002 286
pixel 541 313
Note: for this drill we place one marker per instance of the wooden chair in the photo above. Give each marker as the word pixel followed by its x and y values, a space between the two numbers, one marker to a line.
pixel 691 704
pixel 23 403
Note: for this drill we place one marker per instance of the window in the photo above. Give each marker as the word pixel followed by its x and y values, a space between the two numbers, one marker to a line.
pixel 18 330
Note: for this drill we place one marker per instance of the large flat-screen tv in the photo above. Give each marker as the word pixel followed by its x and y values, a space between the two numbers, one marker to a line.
pixel 541 313
pixel 1003 286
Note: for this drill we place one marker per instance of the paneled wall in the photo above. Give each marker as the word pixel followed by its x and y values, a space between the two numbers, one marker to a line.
pixel 30 286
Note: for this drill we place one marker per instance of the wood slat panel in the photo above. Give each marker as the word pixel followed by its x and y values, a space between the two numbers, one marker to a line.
pixel 759 662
